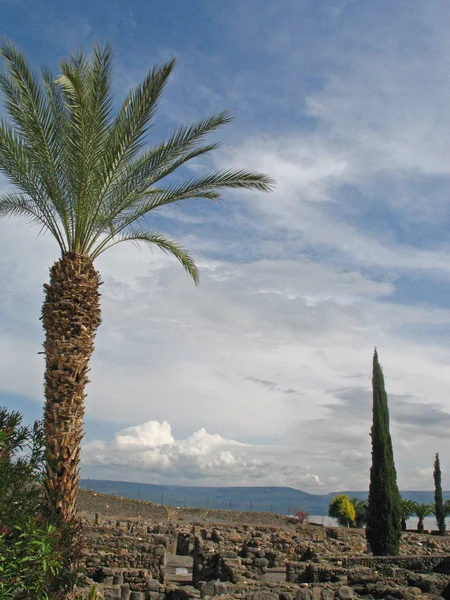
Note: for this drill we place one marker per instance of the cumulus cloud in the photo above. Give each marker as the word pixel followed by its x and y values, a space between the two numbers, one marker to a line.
pixel 148 452
pixel 149 434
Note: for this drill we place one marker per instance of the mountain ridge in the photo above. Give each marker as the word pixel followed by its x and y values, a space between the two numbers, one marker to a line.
pixel 278 499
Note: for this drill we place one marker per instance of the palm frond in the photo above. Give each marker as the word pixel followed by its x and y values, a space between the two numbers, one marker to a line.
pixel 27 105
pixel 86 86
pixel 17 163
pixel 23 206
pixel 181 147
pixel 153 238
pixel 127 134
pixel 155 164
pixel 208 187
pixel 83 172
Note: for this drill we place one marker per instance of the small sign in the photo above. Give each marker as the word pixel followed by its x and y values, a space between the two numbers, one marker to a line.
pixel 181 571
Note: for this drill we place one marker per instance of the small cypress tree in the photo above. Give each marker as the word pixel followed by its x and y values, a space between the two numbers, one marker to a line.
pixel 438 501
pixel 383 530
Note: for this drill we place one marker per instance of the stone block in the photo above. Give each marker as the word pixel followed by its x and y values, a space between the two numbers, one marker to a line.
pixel 260 562
pixel 345 593
pixel 108 572
pixel 222 588
pixel 125 591
pixel 153 585
pixel 303 594
pixel 263 595
pixel 112 593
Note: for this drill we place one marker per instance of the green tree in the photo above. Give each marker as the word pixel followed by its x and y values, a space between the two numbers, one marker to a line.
pixel 383 530
pixel 421 511
pixel 342 509
pixel 360 507
pixel 438 501
pixel 84 172
pixel 447 508
pixel 406 511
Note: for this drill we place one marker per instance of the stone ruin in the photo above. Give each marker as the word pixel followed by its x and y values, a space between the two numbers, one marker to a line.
pixel 134 559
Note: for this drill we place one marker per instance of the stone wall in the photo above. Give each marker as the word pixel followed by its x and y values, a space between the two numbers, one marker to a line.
pixel 335 568
pixel 123 547
pixel 90 503
pixel 236 517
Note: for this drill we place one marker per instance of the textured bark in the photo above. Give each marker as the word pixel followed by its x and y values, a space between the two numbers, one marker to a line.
pixel 71 316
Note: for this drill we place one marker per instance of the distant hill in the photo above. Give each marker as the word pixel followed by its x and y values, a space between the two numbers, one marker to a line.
pixel 281 500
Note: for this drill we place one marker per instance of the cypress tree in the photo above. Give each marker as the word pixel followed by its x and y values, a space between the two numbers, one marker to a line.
pixel 438 502
pixel 383 530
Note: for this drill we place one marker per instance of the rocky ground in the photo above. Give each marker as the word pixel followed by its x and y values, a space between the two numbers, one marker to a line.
pixel 141 551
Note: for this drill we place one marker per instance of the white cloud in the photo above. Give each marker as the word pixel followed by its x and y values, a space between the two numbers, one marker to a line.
pixel 149 452
pixel 149 434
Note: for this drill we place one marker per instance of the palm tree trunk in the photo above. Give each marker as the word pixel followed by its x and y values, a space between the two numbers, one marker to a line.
pixel 71 316
pixel 420 525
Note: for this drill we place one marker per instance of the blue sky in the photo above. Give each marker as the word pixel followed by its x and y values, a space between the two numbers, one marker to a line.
pixel 262 374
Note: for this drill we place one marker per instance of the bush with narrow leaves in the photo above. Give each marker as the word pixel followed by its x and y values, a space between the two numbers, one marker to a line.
pixel 30 561
pixel 34 562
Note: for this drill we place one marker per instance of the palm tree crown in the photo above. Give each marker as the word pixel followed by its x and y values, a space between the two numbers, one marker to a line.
pixel 422 510
pixel 83 172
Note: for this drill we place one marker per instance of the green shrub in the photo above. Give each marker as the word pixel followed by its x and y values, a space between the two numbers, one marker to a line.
pixel 29 561
pixel 33 560
pixel 21 469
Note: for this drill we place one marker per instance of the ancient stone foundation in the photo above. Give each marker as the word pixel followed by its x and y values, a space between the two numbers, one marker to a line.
pixel 164 555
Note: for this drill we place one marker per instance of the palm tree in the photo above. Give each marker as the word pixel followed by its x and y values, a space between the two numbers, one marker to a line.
pixel 84 172
pixel 421 511
pixel 406 511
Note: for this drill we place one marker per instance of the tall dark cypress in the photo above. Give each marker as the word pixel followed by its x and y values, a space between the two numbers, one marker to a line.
pixel 438 501
pixel 383 530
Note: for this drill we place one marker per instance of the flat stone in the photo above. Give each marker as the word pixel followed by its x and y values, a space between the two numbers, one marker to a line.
pixel 112 593
pixel 222 588
pixel 153 585
pixel 345 593
pixel 262 595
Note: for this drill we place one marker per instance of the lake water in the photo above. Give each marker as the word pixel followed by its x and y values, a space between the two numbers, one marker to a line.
pixel 428 522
